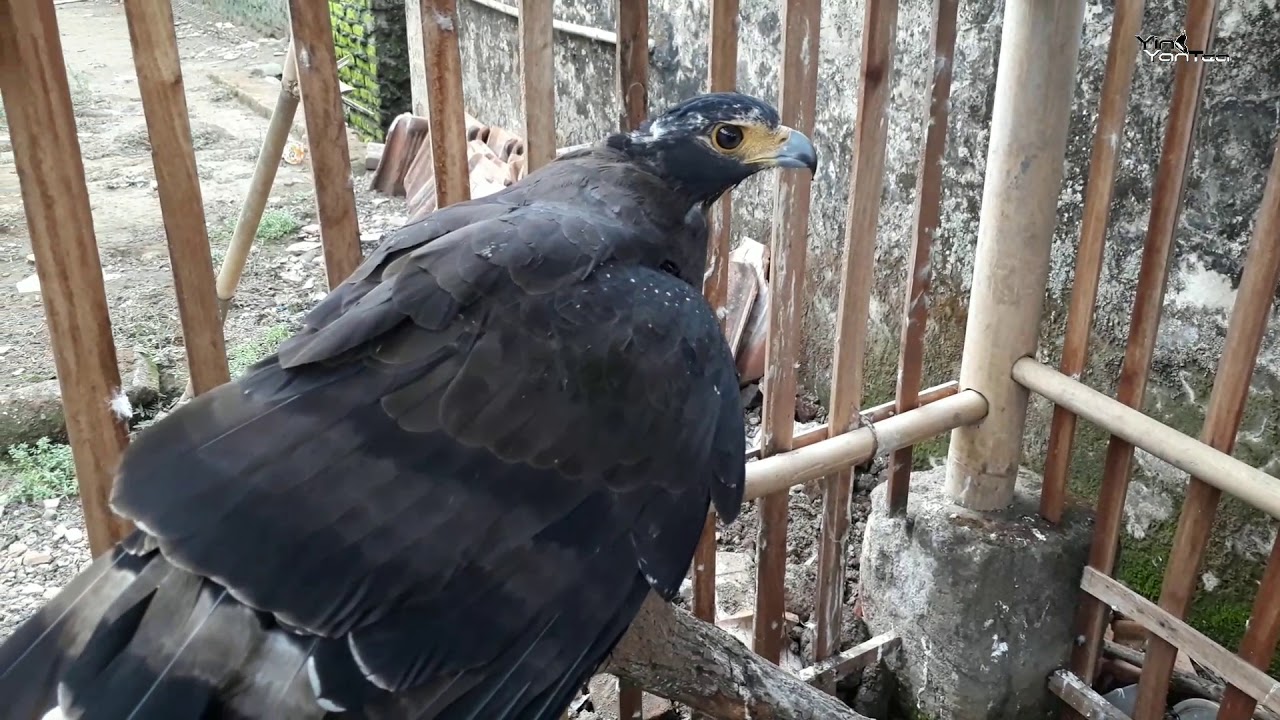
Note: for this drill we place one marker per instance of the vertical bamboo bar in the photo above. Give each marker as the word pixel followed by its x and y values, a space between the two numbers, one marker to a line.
pixel 1260 638
pixel 633 62
pixel 326 138
pixel 538 82
pixel 164 103
pixel 871 131
pixel 797 103
pixel 1015 233
pixel 46 150
pixel 722 77
pixel 1117 82
pixel 1175 160
pixel 445 111
pixel 1249 317
pixel 915 313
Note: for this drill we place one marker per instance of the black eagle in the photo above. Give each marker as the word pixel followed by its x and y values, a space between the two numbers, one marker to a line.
pixel 446 497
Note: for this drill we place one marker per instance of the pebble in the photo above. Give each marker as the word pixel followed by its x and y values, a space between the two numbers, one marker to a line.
pixel 73 535
pixel 51 593
pixel 31 589
pixel 36 557
pixel 17 548
pixel 303 246
pixel 51 504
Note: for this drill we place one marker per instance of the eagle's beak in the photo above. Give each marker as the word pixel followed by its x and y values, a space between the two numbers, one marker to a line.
pixel 796 151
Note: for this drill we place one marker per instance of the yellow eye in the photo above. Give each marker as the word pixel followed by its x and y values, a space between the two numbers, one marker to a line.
pixel 726 137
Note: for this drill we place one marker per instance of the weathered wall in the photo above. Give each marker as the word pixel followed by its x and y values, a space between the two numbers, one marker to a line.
pixel 1241 107
pixel 267 15
pixel 372 32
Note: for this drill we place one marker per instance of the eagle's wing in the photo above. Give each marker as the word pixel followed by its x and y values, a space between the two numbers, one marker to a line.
pixel 466 472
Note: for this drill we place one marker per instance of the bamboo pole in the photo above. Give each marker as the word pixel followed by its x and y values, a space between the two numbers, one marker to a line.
pixel 538 82
pixel 1166 205
pixel 164 104
pixel 326 138
pixel 871 131
pixel 1015 232
pixel 1117 82
pixel 46 151
pixel 773 475
pixel 801 20
pixel 1249 318
pixel 1133 426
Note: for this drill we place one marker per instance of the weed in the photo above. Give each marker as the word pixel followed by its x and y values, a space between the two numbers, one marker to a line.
pixel 41 471
pixel 244 355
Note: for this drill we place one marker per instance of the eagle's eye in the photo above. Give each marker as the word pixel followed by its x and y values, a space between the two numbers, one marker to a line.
pixel 726 137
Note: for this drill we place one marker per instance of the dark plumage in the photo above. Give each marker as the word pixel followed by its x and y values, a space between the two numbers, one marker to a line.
pixel 447 496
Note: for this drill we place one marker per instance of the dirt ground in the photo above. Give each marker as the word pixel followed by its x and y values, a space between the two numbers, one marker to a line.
pixel 42 539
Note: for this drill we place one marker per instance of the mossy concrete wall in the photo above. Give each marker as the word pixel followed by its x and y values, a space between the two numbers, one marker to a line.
pixel 1233 143
pixel 372 34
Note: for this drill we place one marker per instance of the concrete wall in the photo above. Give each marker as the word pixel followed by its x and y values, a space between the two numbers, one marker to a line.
pixel 1241 107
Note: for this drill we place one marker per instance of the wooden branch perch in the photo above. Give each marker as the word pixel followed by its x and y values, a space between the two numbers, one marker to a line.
pixel 674 655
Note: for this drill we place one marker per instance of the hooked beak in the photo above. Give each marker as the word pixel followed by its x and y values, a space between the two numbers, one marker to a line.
pixel 796 151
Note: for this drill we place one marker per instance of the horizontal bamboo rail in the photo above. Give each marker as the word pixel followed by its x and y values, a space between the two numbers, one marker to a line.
pixel 1211 465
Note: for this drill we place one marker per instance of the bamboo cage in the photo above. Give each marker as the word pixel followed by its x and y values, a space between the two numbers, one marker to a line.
pixel 985 409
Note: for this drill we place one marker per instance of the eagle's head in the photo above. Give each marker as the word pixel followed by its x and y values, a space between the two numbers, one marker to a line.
pixel 709 143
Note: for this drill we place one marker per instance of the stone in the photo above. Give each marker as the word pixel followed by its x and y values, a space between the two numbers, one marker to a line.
pixel 984 603
pixel 74 535
pixel 17 549
pixel 36 557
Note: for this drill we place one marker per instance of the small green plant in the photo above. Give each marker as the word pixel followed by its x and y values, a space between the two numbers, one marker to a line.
pixel 244 355
pixel 41 471
pixel 277 225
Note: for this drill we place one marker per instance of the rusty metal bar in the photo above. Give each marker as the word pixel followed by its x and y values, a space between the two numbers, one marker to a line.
pixel 538 82
pixel 797 104
pixel 1170 180
pixel 1117 82
pixel 46 151
pixel 326 138
pixel 1248 324
pixel 871 131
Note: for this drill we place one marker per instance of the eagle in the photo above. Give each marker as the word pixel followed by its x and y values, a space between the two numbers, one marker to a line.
pixel 447 495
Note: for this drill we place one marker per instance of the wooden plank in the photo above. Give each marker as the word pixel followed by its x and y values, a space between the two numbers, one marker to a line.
pixel 790 234
pixel 46 150
pixel 164 104
pixel 928 206
pixel 1077 694
pixel 1211 465
pixel 538 82
pixel 1260 638
pixel 446 111
pixel 871 131
pixel 1117 82
pixel 834 668
pixel 1166 206
pixel 326 138
pixel 723 75
pixel 1254 682
pixel 633 63
pixel 1249 318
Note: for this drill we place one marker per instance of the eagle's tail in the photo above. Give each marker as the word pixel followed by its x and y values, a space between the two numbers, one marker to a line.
pixel 135 638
